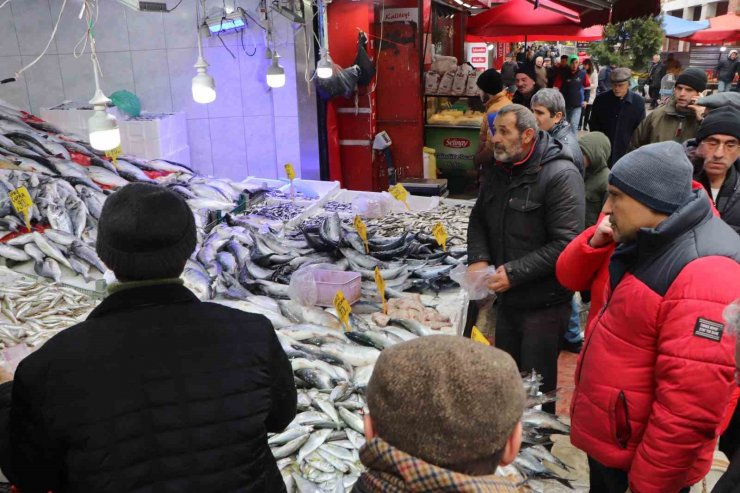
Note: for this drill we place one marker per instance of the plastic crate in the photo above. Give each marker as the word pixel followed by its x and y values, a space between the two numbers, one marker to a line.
pixel 328 282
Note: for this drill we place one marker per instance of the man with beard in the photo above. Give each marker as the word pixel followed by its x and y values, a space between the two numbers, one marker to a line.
pixel 530 207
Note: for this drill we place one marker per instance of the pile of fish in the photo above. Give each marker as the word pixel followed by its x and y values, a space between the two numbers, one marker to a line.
pixel 33 311
pixel 453 217
pixel 334 206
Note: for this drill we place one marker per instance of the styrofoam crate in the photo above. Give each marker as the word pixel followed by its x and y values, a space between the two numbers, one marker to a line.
pixel 153 149
pixel 323 189
pixel 150 127
pixel 254 181
pixel 69 120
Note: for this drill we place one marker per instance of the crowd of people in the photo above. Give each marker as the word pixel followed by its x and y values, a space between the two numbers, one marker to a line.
pixel 641 215
pixel 157 391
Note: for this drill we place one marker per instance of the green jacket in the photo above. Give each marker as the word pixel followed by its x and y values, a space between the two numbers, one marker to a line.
pixel 596 148
pixel 663 124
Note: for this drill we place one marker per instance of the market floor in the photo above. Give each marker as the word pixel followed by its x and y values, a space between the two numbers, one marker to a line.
pixel 566 370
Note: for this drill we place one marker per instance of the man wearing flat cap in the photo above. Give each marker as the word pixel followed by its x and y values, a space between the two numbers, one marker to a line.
pixel 433 427
pixel 617 113
pixel 677 120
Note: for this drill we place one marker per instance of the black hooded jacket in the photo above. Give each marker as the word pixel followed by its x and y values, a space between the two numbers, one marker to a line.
pixel 524 217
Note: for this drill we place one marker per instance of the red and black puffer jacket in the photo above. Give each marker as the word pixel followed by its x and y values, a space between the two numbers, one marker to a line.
pixel 657 369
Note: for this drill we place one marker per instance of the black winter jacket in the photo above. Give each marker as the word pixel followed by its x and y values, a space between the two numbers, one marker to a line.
pixel 154 392
pixel 726 69
pixel 617 119
pixel 563 131
pixel 524 217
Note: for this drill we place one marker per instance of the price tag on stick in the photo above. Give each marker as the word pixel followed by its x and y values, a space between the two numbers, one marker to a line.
pixel 380 283
pixel 362 231
pixel 478 336
pixel 290 172
pixel 113 154
pixel 400 193
pixel 343 309
pixel 440 234
pixel 22 203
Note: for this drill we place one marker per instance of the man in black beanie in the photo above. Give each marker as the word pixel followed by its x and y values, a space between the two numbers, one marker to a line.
pixel 526 85
pixel 492 93
pixel 155 391
pixel 677 120
pixel 716 162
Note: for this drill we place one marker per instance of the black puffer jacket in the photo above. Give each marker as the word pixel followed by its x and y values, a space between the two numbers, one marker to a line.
pixel 563 131
pixel 524 217
pixel 154 392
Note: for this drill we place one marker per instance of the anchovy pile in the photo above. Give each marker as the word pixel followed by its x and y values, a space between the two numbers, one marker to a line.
pixel 334 206
pixel 453 217
pixel 33 311
pixel 284 211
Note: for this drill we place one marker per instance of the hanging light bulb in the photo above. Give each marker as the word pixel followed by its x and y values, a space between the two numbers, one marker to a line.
pixel 103 128
pixel 489 46
pixel 203 87
pixel 325 67
pixel 275 72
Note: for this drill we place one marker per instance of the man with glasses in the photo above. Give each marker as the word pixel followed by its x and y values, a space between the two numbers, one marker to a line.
pixel 716 161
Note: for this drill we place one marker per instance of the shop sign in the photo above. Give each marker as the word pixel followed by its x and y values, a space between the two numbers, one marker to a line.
pixel 401 15
pixel 456 142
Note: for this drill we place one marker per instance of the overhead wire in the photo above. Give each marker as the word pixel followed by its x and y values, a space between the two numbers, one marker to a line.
pixel 46 48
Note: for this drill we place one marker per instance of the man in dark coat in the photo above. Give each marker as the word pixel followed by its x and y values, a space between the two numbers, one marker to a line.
pixel 726 70
pixel 530 207
pixel 655 75
pixel 617 113
pixel 526 84
pixel 155 391
pixel 575 86
pixel 717 156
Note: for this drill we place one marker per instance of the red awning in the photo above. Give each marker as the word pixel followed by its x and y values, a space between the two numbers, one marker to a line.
pixel 594 12
pixel 520 18
pixel 593 33
pixel 722 29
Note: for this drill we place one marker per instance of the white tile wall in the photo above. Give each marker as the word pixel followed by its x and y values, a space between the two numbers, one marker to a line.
pixel 249 129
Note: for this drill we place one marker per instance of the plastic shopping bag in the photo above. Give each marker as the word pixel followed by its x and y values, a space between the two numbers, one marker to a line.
pixel 475 282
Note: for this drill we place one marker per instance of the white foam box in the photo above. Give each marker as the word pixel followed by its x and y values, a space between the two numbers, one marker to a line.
pixel 70 120
pixel 149 126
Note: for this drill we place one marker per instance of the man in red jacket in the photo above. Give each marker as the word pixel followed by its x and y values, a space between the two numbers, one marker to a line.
pixel 657 370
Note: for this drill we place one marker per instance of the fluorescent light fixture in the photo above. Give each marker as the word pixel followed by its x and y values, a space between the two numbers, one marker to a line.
pixel 103 128
pixel 490 47
pixel 275 73
pixel 228 22
pixel 325 67
pixel 467 6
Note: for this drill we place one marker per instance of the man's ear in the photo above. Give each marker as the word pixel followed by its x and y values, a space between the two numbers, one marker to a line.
pixel 528 136
pixel 370 429
pixel 559 116
pixel 511 448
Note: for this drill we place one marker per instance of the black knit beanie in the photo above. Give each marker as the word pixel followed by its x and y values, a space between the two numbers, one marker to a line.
pixel 725 121
pixel 528 70
pixel 693 77
pixel 145 232
pixel 490 82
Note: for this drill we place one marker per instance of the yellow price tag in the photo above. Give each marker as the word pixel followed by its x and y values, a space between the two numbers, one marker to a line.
pixel 113 154
pixel 440 234
pixel 22 203
pixel 399 193
pixel 290 172
pixel 478 336
pixel 343 309
pixel 362 231
pixel 380 283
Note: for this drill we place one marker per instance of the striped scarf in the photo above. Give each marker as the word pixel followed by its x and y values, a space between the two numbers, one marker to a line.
pixel 393 471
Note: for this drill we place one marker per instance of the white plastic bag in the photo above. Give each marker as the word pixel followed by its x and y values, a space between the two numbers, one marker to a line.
pixel 475 282
pixel 445 85
pixel 472 84
pixel 302 288
pixel 371 208
pixel 431 82
pixel 460 83
pixel 442 64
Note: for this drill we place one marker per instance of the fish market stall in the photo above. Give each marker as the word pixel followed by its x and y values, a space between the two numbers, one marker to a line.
pixel 283 250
